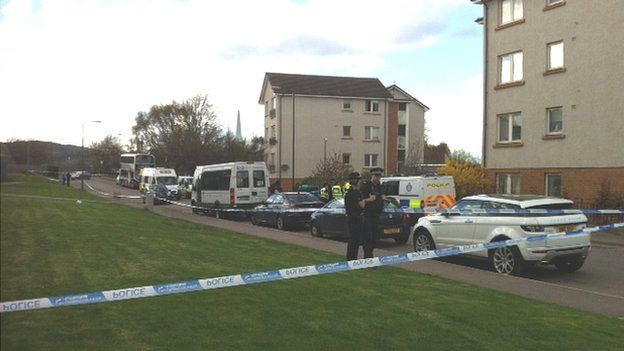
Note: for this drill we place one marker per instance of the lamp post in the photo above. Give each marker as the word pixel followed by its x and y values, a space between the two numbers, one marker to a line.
pixel 82 154
pixel 325 153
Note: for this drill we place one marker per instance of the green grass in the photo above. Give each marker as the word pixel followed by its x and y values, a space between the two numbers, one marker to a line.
pixel 21 184
pixel 52 247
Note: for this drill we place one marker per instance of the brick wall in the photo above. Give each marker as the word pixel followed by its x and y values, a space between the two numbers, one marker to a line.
pixel 582 185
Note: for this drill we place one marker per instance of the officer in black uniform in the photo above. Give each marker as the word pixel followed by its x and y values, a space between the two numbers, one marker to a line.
pixel 374 203
pixel 353 205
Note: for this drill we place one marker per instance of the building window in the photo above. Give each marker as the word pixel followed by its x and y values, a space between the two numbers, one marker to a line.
pixel 401 157
pixel 346 131
pixel 402 129
pixel 555 55
pixel 553 185
pixel 346 105
pixel 273 132
pixel 555 120
pixel 370 160
pixel 346 159
pixel 371 133
pixel 508 183
pixel 509 127
pixel 273 103
pixel 401 142
pixel 511 10
pixel 372 106
pixel 266 134
pixel 510 66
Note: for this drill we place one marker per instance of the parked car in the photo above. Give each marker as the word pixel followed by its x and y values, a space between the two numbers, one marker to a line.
pixel 331 220
pixel 160 191
pixel 286 210
pixel 81 175
pixel 451 229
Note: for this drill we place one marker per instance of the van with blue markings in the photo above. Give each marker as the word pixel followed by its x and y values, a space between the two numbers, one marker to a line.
pixel 421 192
pixel 229 187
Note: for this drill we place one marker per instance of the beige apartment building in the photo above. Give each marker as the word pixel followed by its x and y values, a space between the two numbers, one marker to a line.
pixel 553 119
pixel 308 118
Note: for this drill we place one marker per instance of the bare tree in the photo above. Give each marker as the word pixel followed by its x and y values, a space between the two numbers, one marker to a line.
pixel 330 170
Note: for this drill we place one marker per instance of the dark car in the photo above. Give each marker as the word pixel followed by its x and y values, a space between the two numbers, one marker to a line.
pixel 286 210
pixel 160 193
pixel 331 220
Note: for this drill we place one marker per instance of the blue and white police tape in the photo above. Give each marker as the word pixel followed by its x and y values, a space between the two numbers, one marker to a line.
pixel 270 276
pixel 429 211
pixel 114 195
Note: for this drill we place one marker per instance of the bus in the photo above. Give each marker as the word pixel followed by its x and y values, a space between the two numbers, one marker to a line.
pixel 234 185
pixel 130 167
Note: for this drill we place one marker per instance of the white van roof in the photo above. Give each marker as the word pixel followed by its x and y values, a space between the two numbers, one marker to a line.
pixel 232 164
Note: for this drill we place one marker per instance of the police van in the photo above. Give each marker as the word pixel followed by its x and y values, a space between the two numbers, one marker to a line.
pixel 234 185
pixel 160 175
pixel 421 192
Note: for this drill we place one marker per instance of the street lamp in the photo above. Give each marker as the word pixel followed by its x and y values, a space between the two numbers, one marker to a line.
pixel 325 153
pixel 82 154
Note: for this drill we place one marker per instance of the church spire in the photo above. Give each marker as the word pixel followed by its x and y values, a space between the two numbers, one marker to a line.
pixel 239 136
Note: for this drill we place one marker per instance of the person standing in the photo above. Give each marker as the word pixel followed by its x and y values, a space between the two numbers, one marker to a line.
pixel 353 206
pixel 68 176
pixel 374 204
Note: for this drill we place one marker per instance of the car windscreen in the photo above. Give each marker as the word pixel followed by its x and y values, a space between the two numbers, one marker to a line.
pixel 301 198
pixel 167 180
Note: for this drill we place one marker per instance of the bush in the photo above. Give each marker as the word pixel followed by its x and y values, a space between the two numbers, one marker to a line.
pixel 469 175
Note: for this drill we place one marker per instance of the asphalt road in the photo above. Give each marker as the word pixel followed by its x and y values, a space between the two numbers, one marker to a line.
pixel 598 286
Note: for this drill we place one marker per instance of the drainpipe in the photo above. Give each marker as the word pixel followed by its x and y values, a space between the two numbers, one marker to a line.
pixel 485 80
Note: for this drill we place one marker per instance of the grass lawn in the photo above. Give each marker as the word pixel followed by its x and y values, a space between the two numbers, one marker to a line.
pixel 52 247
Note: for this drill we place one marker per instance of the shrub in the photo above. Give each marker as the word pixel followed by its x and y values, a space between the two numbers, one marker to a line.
pixel 469 175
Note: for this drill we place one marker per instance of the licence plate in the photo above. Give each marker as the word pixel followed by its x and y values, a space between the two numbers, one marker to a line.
pixel 392 231
pixel 567 228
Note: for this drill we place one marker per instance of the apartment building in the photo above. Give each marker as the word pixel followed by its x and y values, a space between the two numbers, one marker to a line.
pixel 308 118
pixel 553 118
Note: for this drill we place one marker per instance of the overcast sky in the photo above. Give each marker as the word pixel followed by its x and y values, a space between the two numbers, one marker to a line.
pixel 66 62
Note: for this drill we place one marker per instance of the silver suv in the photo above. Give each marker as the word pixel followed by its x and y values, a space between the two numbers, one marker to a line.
pixel 468 226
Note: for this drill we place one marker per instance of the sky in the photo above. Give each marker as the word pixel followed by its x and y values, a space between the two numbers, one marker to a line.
pixel 64 63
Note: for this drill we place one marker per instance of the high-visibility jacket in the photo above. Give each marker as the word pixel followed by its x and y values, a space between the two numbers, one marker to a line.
pixel 324 194
pixel 346 187
pixel 336 192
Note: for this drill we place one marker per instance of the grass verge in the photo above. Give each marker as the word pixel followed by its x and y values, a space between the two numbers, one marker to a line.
pixel 54 248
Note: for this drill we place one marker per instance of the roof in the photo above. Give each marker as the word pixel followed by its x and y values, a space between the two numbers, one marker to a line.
pixel 300 84
pixel 396 87
pixel 524 201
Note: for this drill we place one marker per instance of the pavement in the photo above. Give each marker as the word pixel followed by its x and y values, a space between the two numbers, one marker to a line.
pixel 561 289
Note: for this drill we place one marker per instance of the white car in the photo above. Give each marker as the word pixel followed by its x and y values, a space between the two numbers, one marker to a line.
pixel 567 253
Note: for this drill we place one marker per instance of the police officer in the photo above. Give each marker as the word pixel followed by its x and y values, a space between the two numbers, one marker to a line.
pixel 374 203
pixel 354 205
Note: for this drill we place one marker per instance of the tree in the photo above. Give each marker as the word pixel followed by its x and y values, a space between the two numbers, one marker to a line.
pixel 184 135
pixel 436 154
pixel 105 154
pixel 330 170
pixel 180 135
pixel 468 174
pixel 413 159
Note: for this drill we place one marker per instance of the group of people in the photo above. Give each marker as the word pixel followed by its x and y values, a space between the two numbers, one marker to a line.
pixel 329 192
pixel 364 204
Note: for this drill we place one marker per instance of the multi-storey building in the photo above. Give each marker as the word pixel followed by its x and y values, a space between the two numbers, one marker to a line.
pixel 553 119
pixel 309 118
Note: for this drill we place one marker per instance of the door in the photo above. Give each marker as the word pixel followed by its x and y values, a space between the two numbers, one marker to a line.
pixel 259 187
pixel 275 208
pixel 243 189
pixel 456 228
pixel 336 219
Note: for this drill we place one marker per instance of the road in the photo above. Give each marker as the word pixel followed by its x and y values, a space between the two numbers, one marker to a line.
pixel 597 287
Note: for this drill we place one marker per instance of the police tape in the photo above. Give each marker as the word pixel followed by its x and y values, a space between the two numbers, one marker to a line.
pixel 428 211
pixel 271 276
pixel 114 195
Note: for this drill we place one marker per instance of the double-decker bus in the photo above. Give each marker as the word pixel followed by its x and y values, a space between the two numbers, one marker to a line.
pixel 130 167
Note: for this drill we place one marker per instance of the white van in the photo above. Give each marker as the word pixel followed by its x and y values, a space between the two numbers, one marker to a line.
pixel 160 175
pixel 421 191
pixel 234 185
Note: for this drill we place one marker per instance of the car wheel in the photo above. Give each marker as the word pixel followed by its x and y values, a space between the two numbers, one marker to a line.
pixel 401 240
pixel 422 241
pixel 218 214
pixel 506 260
pixel 253 219
pixel 571 265
pixel 315 230
pixel 280 223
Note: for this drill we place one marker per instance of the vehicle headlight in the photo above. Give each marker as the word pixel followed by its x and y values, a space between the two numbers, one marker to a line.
pixel 532 228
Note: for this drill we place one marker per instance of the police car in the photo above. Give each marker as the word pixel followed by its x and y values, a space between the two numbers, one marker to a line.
pixel 421 192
